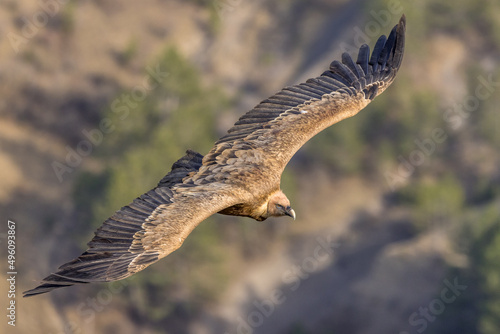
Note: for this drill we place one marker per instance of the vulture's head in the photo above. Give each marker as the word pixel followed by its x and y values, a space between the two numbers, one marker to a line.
pixel 278 205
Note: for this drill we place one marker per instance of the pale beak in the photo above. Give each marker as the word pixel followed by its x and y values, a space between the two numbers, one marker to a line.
pixel 290 213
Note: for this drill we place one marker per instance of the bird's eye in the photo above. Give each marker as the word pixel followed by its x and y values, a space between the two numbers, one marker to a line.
pixel 279 206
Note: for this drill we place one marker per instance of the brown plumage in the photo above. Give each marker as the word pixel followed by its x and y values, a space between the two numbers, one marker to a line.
pixel 240 176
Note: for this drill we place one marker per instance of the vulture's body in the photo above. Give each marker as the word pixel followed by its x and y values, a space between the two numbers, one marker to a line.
pixel 241 174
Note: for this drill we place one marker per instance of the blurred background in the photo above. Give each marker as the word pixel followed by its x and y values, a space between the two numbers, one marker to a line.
pixel 397 229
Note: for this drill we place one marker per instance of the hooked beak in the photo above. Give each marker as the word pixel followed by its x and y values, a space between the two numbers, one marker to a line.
pixel 290 212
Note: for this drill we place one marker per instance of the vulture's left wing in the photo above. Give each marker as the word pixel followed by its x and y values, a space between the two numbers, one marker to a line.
pixel 277 127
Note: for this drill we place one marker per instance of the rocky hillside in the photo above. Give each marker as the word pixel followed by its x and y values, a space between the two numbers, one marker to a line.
pixel 397 227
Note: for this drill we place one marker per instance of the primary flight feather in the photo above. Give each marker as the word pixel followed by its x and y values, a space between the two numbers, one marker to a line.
pixel 240 175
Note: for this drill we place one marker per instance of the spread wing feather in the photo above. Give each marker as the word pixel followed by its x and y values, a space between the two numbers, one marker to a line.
pixel 123 246
pixel 281 124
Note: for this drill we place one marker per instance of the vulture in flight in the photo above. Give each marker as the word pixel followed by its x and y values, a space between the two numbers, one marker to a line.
pixel 240 175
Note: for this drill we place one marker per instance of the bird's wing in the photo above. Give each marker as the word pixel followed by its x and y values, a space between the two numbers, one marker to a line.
pixel 152 226
pixel 280 125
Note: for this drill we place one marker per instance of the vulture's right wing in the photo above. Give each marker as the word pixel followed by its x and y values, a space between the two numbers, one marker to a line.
pixel 151 227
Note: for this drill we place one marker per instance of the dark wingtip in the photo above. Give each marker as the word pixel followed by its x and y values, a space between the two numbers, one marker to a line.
pixel 402 21
pixel 45 287
pixel 55 281
pixel 400 42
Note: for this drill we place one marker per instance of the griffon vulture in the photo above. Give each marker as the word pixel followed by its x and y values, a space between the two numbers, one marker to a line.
pixel 241 174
